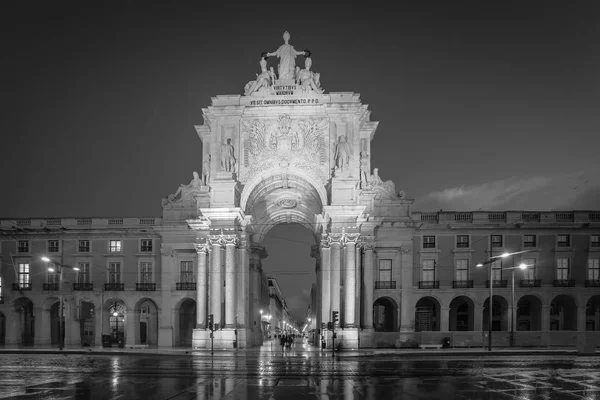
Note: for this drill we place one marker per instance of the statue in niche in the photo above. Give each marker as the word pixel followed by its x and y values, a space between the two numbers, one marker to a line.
pixel 187 190
pixel 382 189
pixel 307 79
pixel 287 58
pixel 264 80
pixel 364 169
pixel 206 171
pixel 227 157
pixel 342 154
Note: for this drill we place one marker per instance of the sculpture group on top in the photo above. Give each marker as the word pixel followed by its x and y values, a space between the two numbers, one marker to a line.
pixel 287 70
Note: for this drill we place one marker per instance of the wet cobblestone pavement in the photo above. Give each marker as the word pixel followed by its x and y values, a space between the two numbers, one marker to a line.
pixel 297 374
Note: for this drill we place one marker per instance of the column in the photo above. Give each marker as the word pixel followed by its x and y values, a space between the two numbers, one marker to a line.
pixel 368 286
pixel 350 281
pixel 132 318
pixel 358 288
pixel 230 244
pixel 325 280
pixel 243 307
pixel 444 319
pixel 335 266
pixel 215 282
pixel 201 286
pixel 478 319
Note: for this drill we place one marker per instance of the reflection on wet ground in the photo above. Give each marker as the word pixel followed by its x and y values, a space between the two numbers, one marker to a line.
pixel 296 374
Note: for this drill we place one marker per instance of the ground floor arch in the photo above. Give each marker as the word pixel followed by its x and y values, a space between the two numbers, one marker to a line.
pixel 185 322
pixel 592 314
pixel 563 313
pixel 385 315
pixel 427 314
pixel 146 322
pixel 462 314
pixel 23 321
pixel 2 329
pixel 500 314
pixel 529 314
pixel 116 313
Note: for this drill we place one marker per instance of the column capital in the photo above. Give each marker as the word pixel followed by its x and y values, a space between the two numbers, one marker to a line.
pixel 335 238
pixel 202 248
pixel 222 240
pixel 324 244
pixel 351 238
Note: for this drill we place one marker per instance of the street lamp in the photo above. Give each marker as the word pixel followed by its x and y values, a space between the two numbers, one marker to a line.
pixel 61 315
pixel 490 262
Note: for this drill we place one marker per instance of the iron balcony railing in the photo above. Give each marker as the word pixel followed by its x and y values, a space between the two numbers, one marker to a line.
pixel 185 286
pixel 145 287
pixel 429 284
pixel 83 286
pixel 462 284
pixel 21 286
pixel 498 283
pixel 592 283
pixel 564 283
pixel 50 286
pixel 385 284
pixel 116 287
pixel 530 283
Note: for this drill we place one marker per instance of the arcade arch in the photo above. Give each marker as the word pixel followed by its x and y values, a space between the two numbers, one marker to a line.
pixel 563 313
pixel 500 314
pixel 385 315
pixel 462 314
pixel 529 313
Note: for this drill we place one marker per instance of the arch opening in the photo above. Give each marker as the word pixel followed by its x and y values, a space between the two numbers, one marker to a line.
pixel 462 314
pixel 529 314
pixel 500 314
pixel 427 314
pixel 563 313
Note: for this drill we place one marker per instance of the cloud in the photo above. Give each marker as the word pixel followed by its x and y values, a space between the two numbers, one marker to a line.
pixel 565 191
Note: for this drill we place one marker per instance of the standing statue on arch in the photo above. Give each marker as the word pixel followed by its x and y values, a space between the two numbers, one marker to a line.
pixel 342 154
pixel 227 157
pixel 287 58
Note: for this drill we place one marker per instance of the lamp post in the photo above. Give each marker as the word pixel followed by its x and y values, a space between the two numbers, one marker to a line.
pixel 116 315
pixel 61 311
pixel 490 301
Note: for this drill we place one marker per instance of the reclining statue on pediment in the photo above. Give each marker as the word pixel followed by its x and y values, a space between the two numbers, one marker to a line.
pixel 186 191
pixel 263 81
pixel 307 79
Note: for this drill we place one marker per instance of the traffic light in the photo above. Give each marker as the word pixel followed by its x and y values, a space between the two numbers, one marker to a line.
pixel 330 326
pixel 336 316
pixel 210 322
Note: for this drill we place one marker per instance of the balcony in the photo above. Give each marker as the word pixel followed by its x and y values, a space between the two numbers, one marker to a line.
pixel 462 284
pixel 385 284
pixel 530 283
pixel 185 286
pixel 115 287
pixel 145 287
pixel 564 283
pixel 50 286
pixel 592 283
pixel 21 286
pixel 498 283
pixel 429 284
pixel 83 286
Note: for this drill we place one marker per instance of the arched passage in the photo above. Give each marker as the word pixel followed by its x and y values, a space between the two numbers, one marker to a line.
pixel 385 315
pixel 87 325
pixel 186 322
pixel 116 321
pixel 427 314
pixel 23 321
pixel 592 314
pixel 563 313
pixel 462 314
pixel 500 314
pixel 529 314
pixel 2 329
pixel 146 312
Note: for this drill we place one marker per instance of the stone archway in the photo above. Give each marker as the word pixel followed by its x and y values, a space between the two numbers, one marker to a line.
pixel 563 313
pixel 592 314
pixel 185 322
pixel 500 314
pixel 462 314
pixel 2 329
pixel 146 315
pixel 22 323
pixel 427 314
pixel 385 315
pixel 529 314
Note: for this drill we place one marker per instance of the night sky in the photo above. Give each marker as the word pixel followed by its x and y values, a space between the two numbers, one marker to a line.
pixel 488 107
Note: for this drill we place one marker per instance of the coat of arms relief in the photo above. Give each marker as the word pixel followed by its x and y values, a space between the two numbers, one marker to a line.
pixel 288 143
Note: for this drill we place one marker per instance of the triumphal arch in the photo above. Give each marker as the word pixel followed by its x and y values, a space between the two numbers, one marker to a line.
pixel 286 151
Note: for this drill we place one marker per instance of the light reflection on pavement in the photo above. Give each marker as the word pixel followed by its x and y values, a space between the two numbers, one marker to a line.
pixel 296 374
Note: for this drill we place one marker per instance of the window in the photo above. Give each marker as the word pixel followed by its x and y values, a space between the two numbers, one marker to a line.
pixel 529 241
pixel 497 241
pixel 562 268
pixel 428 270
pixel 114 246
pixel 529 272
pixel 595 241
pixel 593 269
pixel 429 242
pixel 146 245
pixel 23 273
pixel 114 272
pixel 83 276
pixel 563 240
pixel 83 246
pixel 462 241
pixel 186 271
pixel 53 246
pixel 54 277
pixel 23 246
pixel 385 270
pixel 146 272
pixel 462 270
pixel 497 270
